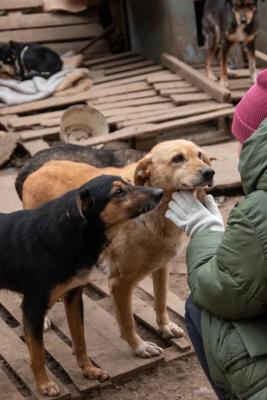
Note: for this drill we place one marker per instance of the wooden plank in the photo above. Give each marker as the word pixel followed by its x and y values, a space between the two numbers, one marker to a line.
pixel 121 112
pixel 196 78
pixel 24 4
pixel 178 112
pixel 147 129
pixel 226 155
pixel 61 48
pixel 21 4
pixel 112 57
pixel 61 101
pixel 30 135
pixel 135 116
pixel 189 98
pixel 142 311
pixel 172 85
pixel 52 34
pixel 128 74
pixel 168 92
pixel 129 67
pixel 237 84
pixel 37 20
pixel 261 56
pixel 237 94
pixel 33 146
pixel 15 353
pixel 175 303
pixel 137 102
pixel 7 389
pixel 46 103
pixel 19 122
pixel 122 97
pixel 164 76
pixel 53 344
pixel 117 63
pixel 115 359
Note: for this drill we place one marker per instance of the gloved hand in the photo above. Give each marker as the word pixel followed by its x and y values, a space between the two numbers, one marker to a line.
pixel 190 215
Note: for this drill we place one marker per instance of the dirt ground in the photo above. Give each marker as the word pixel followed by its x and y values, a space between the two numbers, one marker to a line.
pixel 181 379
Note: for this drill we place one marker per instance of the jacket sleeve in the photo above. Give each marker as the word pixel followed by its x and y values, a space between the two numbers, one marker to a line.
pixel 225 270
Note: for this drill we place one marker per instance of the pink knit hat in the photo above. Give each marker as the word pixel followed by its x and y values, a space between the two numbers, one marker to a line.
pixel 251 110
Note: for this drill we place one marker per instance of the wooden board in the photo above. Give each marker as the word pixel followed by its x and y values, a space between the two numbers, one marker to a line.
pixel 60 352
pixel 177 112
pixel 37 20
pixel 189 98
pixel 141 71
pixel 134 102
pixel 196 78
pixel 25 4
pixel 112 57
pixel 33 146
pixel 8 390
pixel 15 353
pixel 116 63
pixel 226 155
pixel 122 97
pixel 147 129
pixel 52 34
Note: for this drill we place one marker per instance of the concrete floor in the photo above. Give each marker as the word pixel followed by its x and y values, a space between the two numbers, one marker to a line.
pixel 9 200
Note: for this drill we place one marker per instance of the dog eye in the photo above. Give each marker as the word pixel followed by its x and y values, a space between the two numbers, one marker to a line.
pixel 178 158
pixel 199 155
pixel 119 192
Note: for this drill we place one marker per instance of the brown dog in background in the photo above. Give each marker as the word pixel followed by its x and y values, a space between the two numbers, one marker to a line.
pixel 144 245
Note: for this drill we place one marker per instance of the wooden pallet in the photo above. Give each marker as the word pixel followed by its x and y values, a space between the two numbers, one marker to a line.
pixel 24 21
pixel 137 96
pixel 103 343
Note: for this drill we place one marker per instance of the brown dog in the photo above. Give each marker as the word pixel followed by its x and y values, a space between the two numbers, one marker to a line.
pixel 144 245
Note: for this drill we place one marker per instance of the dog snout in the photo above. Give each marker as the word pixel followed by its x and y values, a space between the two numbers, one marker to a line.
pixel 208 174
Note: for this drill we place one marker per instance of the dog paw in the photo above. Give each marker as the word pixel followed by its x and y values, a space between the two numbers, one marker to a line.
pixel 232 73
pixel 224 83
pixel 47 324
pixel 95 373
pixel 147 350
pixel 171 331
pixel 253 78
pixel 212 77
pixel 48 388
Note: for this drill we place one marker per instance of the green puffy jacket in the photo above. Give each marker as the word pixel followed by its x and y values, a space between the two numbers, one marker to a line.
pixel 227 275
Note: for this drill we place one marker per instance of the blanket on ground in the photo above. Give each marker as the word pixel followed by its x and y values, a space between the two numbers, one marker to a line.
pixel 14 92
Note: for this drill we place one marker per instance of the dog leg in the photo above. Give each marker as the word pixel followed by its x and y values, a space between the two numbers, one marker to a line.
pixel 223 63
pixel 167 328
pixel 252 61
pixel 74 311
pixel 33 320
pixel 121 291
pixel 212 45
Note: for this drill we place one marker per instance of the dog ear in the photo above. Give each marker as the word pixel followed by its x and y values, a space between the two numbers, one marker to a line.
pixel 84 202
pixel 142 171
pixel 207 159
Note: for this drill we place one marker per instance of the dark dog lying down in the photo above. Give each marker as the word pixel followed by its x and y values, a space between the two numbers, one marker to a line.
pixel 29 59
pixel 99 158
pixel 47 254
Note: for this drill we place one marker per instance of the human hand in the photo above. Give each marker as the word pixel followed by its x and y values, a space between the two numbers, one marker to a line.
pixel 190 215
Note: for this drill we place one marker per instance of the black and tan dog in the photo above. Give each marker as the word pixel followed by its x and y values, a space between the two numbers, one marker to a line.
pixel 226 22
pixel 47 254
pixel 29 59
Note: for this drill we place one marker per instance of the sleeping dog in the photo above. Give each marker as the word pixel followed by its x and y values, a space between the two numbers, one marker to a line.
pixel 47 254
pixel 226 22
pixel 29 59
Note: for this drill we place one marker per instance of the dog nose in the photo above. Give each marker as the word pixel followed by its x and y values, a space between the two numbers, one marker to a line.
pixel 243 20
pixel 158 194
pixel 208 174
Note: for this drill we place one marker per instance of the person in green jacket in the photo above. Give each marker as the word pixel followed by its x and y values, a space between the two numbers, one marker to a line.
pixel 226 314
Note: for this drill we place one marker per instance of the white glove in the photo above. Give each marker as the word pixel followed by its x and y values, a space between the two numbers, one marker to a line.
pixel 190 215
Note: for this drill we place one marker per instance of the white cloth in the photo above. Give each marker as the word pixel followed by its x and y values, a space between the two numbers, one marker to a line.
pixel 190 215
pixel 14 92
